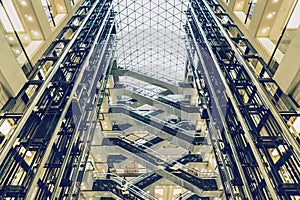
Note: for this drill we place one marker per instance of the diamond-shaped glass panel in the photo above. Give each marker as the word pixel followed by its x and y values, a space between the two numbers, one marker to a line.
pixel 151 37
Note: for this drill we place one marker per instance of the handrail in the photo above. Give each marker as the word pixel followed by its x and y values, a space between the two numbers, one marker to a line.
pixel 153 95
pixel 157 120
pixel 141 177
pixel 169 160
pixel 127 184
pixel 185 195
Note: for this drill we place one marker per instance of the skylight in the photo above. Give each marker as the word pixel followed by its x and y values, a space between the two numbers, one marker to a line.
pixel 151 37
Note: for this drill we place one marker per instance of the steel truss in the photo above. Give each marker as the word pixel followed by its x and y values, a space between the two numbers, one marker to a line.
pixel 245 125
pixel 45 156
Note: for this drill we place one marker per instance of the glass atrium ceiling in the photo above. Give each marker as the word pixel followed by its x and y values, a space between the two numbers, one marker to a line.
pixel 151 37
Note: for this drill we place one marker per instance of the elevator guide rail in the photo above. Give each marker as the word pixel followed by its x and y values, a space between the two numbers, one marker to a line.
pixel 255 149
pixel 44 158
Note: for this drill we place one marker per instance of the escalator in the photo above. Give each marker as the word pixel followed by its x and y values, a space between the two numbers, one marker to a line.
pixel 153 177
pixel 195 139
pixel 166 169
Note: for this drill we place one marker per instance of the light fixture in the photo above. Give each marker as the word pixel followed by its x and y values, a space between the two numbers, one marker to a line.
pixel 60 7
pixel 29 18
pixel 275 1
pixel 23 3
pixel 35 33
pixel 17 51
pixel 239 5
pixel 265 30
pixel 10 38
pixel 26 38
pixel 28 154
pixel 269 16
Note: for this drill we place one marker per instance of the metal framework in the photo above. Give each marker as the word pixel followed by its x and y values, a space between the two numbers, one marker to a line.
pixel 151 37
pixel 43 158
pixel 257 156
pixel 245 125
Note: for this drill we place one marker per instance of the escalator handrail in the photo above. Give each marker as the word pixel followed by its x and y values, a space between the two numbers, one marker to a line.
pixel 156 120
pixel 167 159
pixel 126 184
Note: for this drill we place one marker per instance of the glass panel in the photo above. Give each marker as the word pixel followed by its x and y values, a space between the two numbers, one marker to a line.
pixel 151 37
pixel 13 17
pixel 55 10
pixel 285 40
pixel 251 8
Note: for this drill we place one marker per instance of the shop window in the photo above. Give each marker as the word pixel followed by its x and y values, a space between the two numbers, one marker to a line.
pixel 55 10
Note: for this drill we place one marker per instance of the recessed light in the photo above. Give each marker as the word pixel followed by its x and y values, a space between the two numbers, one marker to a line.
pixel 60 7
pixel 29 18
pixel 265 30
pixel 270 15
pixel 35 33
pixel 10 38
pixel 26 37
pixel 23 3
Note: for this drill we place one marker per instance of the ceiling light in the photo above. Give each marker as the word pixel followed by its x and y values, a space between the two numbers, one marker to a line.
pixel 60 7
pixel 23 3
pixel 17 51
pixel 29 18
pixel 239 5
pixel 35 33
pixel 269 16
pixel 10 38
pixel 26 37
pixel 265 30
pixel 275 1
